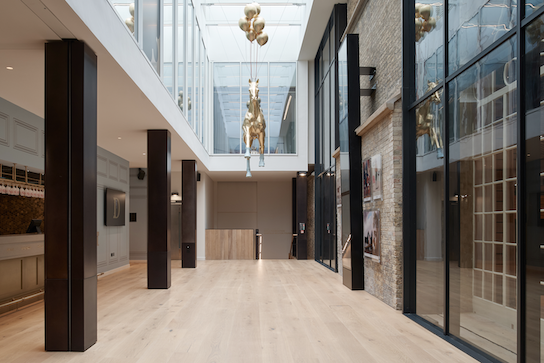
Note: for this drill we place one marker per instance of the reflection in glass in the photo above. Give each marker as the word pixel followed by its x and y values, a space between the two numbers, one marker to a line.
pixel 482 221
pixel 180 96
pixel 227 110
pixel 474 25
pixel 534 176
pixel 532 5
pixel 190 64
pixel 168 49
pixel 429 220
pixel 281 125
pixel 151 32
pixel 429 45
pixel 128 11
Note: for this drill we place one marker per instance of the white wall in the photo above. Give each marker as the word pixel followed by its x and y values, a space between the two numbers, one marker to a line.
pixel 113 241
pixel 266 206
pixel 138 205
pixel 22 136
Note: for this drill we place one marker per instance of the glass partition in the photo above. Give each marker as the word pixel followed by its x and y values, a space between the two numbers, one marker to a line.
pixel 281 125
pixel 152 32
pixel 534 176
pixel 168 46
pixel 429 209
pixel 181 60
pixel 227 108
pixel 482 204
pixel 128 11
pixel 197 96
pixel 476 24
pixel 429 45
pixel 190 64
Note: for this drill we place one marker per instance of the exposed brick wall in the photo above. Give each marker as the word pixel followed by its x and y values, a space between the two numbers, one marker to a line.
pixel 384 279
pixel 16 212
pixel 380 46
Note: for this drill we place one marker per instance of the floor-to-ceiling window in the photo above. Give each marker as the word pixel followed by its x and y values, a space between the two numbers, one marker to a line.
pixel 326 139
pixel 473 147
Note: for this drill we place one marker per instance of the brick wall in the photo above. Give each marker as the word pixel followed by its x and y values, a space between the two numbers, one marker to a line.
pixel 380 46
pixel 16 212
pixel 384 279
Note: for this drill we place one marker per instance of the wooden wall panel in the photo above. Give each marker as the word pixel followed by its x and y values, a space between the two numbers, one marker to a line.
pixel 230 244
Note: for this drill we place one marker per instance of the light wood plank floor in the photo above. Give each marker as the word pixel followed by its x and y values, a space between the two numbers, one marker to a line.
pixel 235 311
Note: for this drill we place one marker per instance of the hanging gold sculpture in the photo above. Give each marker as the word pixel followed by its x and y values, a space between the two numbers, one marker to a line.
pixel 254 124
pixel 424 21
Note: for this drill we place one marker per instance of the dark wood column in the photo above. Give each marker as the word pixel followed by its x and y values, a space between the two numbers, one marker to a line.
pixel 188 214
pixel 70 202
pixel 158 209
pixel 302 216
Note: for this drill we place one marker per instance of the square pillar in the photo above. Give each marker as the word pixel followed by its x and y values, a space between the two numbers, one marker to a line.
pixel 70 201
pixel 188 213
pixel 158 209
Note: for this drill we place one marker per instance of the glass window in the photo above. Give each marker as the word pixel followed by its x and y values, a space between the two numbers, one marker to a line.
pixel 168 48
pixel 532 5
pixel 281 125
pixel 190 64
pixel 203 88
pixel 197 97
pixel 482 205
pixel 128 11
pixel 152 32
pixel 227 126
pixel 476 24
pixel 430 211
pixel 182 100
pixel 534 176
pixel 429 45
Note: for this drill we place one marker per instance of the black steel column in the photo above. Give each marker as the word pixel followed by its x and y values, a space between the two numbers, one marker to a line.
pixel 302 216
pixel 158 209
pixel 355 165
pixel 188 214
pixel 70 205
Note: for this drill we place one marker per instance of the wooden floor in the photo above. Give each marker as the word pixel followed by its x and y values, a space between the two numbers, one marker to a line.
pixel 235 311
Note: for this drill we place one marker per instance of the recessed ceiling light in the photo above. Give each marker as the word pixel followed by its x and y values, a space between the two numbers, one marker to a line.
pixel 144 153
pixel 10 68
pixel 118 137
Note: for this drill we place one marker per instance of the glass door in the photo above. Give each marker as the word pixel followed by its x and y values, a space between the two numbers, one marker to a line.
pixel 534 191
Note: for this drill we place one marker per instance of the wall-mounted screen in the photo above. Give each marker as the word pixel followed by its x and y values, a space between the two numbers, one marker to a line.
pixel 114 214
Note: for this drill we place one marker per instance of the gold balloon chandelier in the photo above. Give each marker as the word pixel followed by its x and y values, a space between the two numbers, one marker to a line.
pixel 424 20
pixel 254 124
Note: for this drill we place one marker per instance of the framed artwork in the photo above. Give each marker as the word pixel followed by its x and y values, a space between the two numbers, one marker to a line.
pixel 367 183
pixel 371 234
pixel 114 215
pixel 376 177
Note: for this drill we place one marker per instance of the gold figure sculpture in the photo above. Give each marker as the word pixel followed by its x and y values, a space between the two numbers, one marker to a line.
pixel 254 124
pixel 426 123
pixel 252 24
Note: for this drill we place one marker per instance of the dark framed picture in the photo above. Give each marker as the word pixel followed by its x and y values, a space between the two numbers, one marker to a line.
pixel 371 234
pixel 114 215
pixel 367 180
